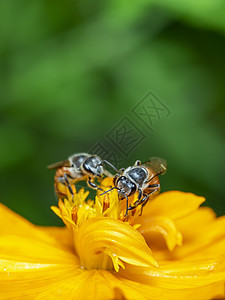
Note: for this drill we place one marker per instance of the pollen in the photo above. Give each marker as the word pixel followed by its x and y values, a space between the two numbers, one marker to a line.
pixel 77 209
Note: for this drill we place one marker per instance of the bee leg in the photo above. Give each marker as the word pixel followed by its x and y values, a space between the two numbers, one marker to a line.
pixel 93 185
pixel 143 204
pixel 115 178
pixel 140 194
pixel 144 201
pixel 126 206
pixel 68 184
pixel 136 203
pixel 157 185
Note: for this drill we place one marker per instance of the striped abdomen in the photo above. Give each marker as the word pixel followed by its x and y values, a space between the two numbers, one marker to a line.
pixel 60 182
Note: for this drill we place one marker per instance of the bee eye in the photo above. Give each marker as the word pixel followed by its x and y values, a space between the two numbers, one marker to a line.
pixel 133 188
pixel 88 167
pixel 93 166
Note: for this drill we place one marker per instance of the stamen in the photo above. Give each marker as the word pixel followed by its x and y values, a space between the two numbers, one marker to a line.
pixel 106 203
pixel 76 210
pixel 74 214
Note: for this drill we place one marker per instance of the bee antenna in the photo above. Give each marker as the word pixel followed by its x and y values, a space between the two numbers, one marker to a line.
pixel 108 163
pixel 109 190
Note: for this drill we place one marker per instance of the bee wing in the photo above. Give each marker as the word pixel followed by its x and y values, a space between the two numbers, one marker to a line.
pixel 157 165
pixel 65 163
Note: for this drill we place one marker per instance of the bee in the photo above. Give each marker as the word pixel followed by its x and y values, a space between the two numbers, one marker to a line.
pixel 141 178
pixel 77 167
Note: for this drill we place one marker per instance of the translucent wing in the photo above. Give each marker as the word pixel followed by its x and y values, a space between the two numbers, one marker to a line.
pixel 157 165
pixel 65 163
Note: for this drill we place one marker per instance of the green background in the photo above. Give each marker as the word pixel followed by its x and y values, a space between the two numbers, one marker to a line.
pixel 71 70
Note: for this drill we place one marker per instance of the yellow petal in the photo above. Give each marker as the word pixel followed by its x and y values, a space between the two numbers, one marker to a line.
pixel 172 204
pixel 22 249
pixel 178 274
pixel 61 236
pixel 161 225
pixel 103 285
pixel 36 269
pixel 97 235
pixel 13 224
pixel 10 222
pixel 149 292
pixel 97 284
pixel 41 282
pixel 201 218
pixel 207 240
pixel 64 282
pixel 203 236
pixel 24 242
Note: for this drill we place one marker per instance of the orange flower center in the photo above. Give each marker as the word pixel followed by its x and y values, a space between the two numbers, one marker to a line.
pixel 77 210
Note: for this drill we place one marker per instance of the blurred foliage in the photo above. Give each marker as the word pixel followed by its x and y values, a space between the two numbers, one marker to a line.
pixel 71 70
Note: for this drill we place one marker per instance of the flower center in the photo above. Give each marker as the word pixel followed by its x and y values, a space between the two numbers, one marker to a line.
pixel 77 210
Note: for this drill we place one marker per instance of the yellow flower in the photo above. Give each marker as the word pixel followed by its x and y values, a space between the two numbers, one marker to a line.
pixel 175 250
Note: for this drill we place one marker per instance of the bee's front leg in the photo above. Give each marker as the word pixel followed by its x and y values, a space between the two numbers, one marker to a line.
pixel 93 185
pixel 68 184
pixel 144 201
pixel 136 203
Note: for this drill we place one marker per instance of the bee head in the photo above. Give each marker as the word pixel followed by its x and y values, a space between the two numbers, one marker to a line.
pixel 93 166
pixel 125 187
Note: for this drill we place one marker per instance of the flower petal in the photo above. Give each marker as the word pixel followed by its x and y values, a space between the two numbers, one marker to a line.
pixel 197 221
pixel 207 240
pixel 69 283
pixel 40 282
pixel 178 274
pixel 102 284
pixel 98 284
pixel 22 249
pixel 164 226
pixel 150 292
pixel 36 269
pixel 172 204
pixel 61 236
pixel 203 236
pixel 99 235
pixel 13 224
